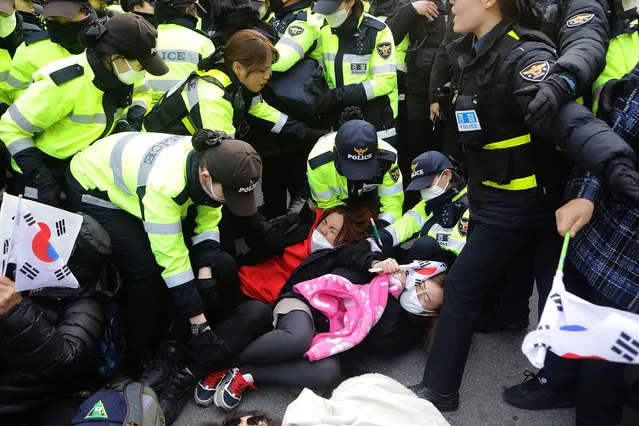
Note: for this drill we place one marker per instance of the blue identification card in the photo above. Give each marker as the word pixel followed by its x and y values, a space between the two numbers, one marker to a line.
pixel 467 120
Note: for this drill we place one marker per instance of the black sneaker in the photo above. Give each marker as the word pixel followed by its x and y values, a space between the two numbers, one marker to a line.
pixel 442 402
pixel 534 393
pixel 179 386
pixel 157 373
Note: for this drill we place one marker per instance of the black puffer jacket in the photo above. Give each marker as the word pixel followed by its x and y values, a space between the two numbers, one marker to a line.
pixel 47 351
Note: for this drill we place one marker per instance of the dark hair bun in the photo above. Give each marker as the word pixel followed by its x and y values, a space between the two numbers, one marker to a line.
pixel 91 33
pixel 351 113
pixel 204 139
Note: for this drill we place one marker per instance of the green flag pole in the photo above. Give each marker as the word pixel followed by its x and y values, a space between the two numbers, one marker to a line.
pixel 564 251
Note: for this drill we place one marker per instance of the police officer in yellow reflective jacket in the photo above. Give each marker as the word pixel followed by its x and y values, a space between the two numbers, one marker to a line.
pixel 66 20
pixel 358 54
pixel 353 162
pixel 442 214
pixel 10 39
pixel 141 187
pixel 180 43
pixel 299 31
pixel 220 97
pixel 75 101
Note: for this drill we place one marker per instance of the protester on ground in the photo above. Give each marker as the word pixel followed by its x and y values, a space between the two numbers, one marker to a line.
pixel 354 163
pixel 49 338
pixel 76 101
pixel 365 48
pixel 180 43
pixel 512 208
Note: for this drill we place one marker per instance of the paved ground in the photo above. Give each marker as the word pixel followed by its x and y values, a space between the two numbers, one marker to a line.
pixel 495 361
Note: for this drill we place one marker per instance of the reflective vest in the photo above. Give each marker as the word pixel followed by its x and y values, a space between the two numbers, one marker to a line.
pixel 5 55
pixel 419 220
pixel 329 188
pixel 182 49
pixel 299 31
pixel 210 100
pixel 61 112
pixel 5 64
pixel 621 58
pixel 501 154
pixel 145 175
pixel 364 66
pixel 36 52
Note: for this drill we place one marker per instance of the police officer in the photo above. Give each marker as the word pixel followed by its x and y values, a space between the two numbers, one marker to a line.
pixel 515 184
pixel 66 20
pixel 180 44
pixel 74 102
pixel 139 187
pixel 219 98
pixel 30 17
pixel 358 54
pixel 10 38
pixel 140 7
pixel 353 163
pixel 298 30
pixel 442 214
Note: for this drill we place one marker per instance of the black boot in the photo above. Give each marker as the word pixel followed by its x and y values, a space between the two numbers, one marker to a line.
pixel 156 375
pixel 442 402
pixel 179 386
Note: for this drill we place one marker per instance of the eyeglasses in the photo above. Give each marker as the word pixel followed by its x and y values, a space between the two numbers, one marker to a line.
pixel 251 421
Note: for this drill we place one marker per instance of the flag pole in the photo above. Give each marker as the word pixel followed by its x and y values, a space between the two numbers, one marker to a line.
pixel 13 231
pixel 564 251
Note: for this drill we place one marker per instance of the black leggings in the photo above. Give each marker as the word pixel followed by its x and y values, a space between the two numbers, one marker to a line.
pixel 276 357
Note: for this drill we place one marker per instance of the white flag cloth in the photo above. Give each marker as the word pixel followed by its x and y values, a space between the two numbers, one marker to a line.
pixel 574 328
pixel 64 225
pixel 37 261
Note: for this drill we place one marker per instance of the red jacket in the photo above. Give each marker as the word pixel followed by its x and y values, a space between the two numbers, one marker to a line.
pixel 265 280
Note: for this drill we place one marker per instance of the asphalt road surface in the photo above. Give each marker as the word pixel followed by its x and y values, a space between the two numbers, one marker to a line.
pixel 495 362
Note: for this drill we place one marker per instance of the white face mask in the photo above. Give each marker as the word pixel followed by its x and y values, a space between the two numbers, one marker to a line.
pixel 408 299
pixel 131 76
pixel 336 19
pixel 434 191
pixel 7 24
pixel 318 242
pixel 209 190
pixel 262 11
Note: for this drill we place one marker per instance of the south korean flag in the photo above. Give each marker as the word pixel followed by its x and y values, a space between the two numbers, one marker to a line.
pixel 63 225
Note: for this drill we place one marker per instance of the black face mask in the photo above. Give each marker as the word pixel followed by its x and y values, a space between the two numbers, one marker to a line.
pixel 67 35
pixel 149 17
pixel 276 5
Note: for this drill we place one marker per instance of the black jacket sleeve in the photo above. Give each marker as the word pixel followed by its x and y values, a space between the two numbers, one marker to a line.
pixel 401 21
pixel 588 141
pixel 440 75
pixel 50 348
pixel 583 42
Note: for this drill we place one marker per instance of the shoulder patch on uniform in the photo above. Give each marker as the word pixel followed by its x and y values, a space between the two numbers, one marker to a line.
pixel 35 37
pixel 65 74
pixel 295 30
pixel 394 173
pixel 373 22
pixel 384 49
pixel 579 19
pixel 462 226
pixel 320 160
pixel 536 71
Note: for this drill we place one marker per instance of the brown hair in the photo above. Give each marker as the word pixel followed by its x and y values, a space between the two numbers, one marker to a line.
pixel 429 324
pixel 356 227
pixel 251 49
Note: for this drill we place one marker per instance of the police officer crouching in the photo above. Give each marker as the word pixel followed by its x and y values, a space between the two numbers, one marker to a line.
pixel 353 163
pixel 74 102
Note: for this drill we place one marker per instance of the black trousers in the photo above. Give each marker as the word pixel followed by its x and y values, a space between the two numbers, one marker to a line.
pixel 487 255
pixel 598 385
pixel 283 174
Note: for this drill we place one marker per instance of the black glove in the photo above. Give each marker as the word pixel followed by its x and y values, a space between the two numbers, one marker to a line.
pixel 135 117
pixel 607 97
pixel 549 96
pixel 207 352
pixel 48 189
pixel 123 126
pixel 208 293
pixel 329 101
pixel 624 179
